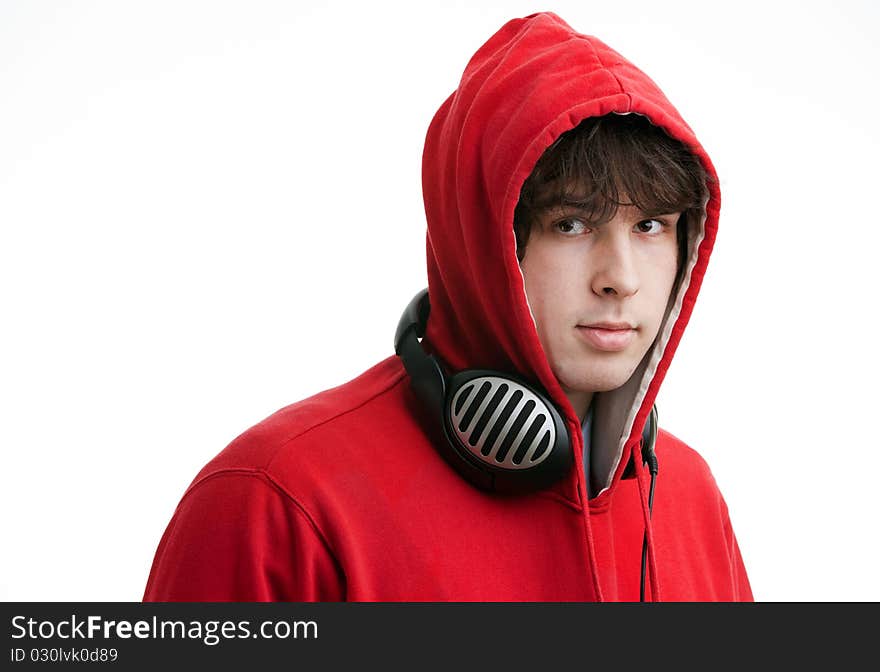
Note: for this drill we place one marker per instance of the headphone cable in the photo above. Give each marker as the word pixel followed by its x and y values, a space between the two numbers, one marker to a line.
pixel 650 458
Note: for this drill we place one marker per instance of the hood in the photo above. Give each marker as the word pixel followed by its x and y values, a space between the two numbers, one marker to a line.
pixel 533 80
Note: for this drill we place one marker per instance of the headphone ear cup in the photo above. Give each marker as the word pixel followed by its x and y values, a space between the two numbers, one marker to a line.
pixel 649 432
pixel 506 429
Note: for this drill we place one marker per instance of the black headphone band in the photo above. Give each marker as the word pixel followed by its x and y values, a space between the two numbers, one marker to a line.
pixel 426 376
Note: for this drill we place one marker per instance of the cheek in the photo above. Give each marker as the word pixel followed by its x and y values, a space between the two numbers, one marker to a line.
pixel 660 281
pixel 551 278
pixel 543 276
pixel 539 296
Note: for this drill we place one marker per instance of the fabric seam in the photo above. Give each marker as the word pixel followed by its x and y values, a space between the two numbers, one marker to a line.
pixel 285 442
pixel 611 72
pixel 260 474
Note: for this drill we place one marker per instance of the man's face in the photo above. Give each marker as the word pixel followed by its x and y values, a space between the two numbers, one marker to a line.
pixel 598 293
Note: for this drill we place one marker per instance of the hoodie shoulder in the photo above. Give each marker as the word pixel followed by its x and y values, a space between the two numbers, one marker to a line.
pixel 259 446
pixel 684 467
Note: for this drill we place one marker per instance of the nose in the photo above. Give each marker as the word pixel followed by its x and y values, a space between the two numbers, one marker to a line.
pixel 615 269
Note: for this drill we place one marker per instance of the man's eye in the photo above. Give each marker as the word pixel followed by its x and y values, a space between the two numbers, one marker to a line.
pixel 570 226
pixel 650 226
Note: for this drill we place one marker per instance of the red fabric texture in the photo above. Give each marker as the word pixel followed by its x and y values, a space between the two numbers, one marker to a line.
pixel 342 496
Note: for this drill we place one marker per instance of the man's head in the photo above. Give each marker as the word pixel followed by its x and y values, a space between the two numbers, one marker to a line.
pixel 601 228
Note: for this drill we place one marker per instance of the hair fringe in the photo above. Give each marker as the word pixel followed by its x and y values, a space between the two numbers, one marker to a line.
pixel 607 159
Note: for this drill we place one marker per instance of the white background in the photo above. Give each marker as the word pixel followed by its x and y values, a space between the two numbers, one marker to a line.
pixel 210 210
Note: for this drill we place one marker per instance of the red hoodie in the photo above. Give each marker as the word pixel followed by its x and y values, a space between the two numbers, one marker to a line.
pixel 343 496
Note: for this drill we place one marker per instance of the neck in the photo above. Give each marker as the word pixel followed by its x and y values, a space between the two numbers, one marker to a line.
pixel 580 402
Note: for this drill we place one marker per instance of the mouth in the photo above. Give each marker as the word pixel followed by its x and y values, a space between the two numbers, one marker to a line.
pixel 607 336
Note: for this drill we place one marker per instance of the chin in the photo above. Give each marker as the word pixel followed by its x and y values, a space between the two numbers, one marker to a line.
pixel 594 381
pixel 594 374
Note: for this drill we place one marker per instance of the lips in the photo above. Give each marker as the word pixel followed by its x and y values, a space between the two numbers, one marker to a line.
pixel 607 336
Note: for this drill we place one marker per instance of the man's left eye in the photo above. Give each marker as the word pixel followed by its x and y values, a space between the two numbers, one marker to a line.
pixel 650 226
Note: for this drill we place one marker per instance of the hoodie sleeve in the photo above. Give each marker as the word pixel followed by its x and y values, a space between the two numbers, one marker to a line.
pixel 742 589
pixel 236 536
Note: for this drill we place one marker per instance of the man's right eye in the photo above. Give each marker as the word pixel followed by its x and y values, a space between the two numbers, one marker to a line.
pixel 571 226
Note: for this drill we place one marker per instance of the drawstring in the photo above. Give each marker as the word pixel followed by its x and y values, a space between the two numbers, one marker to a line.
pixel 647 501
pixel 585 520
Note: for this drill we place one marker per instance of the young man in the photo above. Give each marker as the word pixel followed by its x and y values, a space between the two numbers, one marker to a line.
pixel 510 454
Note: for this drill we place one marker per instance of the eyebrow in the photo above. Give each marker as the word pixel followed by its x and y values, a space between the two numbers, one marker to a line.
pixel 568 204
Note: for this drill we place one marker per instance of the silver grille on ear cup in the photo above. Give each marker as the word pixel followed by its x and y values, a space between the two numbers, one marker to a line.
pixel 502 423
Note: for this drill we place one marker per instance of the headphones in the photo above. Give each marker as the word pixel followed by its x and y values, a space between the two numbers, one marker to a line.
pixel 501 433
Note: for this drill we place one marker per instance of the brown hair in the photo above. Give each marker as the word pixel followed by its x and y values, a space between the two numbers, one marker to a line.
pixel 605 158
